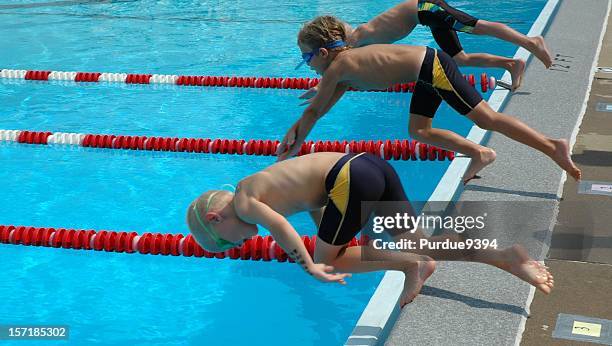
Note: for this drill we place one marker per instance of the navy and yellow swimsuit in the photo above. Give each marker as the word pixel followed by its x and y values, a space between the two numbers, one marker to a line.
pixel 440 79
pixel 352 180
pixel 444 21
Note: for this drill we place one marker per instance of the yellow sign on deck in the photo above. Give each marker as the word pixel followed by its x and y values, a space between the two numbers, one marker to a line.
pixel 584 328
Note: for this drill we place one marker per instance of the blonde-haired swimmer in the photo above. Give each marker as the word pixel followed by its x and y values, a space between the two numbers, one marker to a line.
pixel 378 66
pixel 444 22
pixel 331 186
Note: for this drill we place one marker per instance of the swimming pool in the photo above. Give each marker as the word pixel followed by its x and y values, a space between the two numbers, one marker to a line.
pixel 119 298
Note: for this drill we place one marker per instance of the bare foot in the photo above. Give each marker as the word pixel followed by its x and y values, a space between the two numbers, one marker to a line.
pixel 562 157
pixel 540 50
pixel 516 72
pixel 415 278
pixel 486 157
pixel 520 265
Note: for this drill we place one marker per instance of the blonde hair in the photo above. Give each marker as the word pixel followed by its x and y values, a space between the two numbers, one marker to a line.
pixel 321 31
pixel 213 203
pixel 206 202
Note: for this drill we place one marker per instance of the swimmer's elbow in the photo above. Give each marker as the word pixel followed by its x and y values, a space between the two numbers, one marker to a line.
pixel 312 113
pixel 361 36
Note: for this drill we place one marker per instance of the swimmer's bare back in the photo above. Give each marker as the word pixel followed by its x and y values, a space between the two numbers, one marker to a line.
pixel 379 65
pixel 294 185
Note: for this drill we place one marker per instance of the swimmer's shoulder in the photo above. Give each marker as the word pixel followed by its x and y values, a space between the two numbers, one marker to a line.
pixel 345 62
pixel 244 197
pixel 253 185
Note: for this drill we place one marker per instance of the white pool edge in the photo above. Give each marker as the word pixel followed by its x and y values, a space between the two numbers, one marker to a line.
pixel 379 316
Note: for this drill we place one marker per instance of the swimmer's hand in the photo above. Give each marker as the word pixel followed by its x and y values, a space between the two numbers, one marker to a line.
pixel 308 95
pixel 294 138
pixel 306 102
pixel 324 273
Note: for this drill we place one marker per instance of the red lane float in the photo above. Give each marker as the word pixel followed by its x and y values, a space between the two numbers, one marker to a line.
pixel 257 248
pixel 388 149
pixel 210 81
pixel 37 75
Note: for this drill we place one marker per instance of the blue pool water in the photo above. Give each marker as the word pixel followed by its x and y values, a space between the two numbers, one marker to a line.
pixel 111 299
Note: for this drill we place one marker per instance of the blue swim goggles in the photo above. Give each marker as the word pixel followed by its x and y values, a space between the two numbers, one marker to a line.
pixel 306 57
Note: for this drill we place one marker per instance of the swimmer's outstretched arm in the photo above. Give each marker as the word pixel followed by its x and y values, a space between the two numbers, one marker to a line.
pixel 330 91
pixel 338 93
pixel 310 93
pixel 256 212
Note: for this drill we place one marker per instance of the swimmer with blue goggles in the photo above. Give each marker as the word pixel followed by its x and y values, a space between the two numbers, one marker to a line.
pixel 306 57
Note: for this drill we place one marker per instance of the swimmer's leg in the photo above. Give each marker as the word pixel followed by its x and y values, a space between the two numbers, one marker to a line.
pixel 317 215
pixel 516 67
pixel 557 149
pixel 513 260
pixel 448 40
pixel 535 45
pixel 360 259
pixel 428 94
pixel 421 130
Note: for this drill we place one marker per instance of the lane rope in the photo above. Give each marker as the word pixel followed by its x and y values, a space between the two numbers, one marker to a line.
pixel 486 82
pixel 386 149
pixel 165 244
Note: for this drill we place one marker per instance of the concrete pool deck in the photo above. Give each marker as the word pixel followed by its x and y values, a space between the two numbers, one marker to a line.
pixel 581 254
pixel 472 304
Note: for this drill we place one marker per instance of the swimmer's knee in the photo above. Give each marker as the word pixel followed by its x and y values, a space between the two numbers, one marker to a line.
pixel 420 134
pixel 331 259
pixel 484 121
pixel 482 27
pixel 419 126
pixel 413 132
pixel 327 253
pixel 485 27
pixel 462 58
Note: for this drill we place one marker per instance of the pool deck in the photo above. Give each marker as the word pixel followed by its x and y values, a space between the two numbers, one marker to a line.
pixel 581 259
pixel 473 304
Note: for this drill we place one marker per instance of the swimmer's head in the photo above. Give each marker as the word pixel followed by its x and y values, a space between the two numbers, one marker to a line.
pixel 214 224
pixel 320 40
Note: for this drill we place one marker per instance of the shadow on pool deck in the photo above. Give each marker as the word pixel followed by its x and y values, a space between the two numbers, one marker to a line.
pixel 471 301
